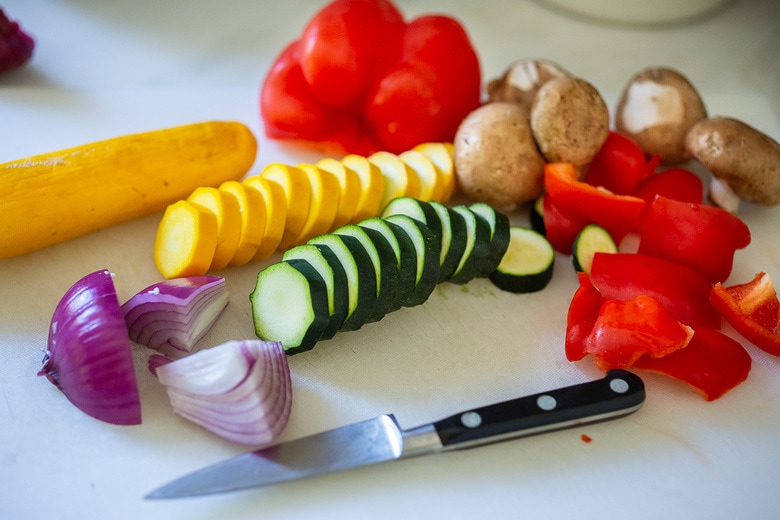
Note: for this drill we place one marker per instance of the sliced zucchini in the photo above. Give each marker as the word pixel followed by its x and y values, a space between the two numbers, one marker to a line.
pixel 453 239
pixel 415 208
pixel 361 279
pixel 499 235
pixel 536 215
pixel 528 263
pixel 332 272
pixel 290 305
pixel 591 240
pixel 406 256
pixel 385 266
pixel 426 249
pixel 477 247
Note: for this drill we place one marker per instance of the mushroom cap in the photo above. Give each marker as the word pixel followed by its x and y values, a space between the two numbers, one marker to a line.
pixel 744 158
pixel 656 109
pixel 522 80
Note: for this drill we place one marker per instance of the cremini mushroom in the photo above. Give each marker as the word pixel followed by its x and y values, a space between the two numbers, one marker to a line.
pixel 569 120
pixel 522 80
pixel 496 159
pixel 744 162
pixel 656 109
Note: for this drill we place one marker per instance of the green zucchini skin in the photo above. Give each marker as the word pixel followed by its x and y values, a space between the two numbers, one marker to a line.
pixel 407 279
pixel 536 216
pixel 427 249
pixel 453 239
pixel 499 236
pixel 272 305
pixel 415 208
pixel 528 264
pixel 477 248
pixel 332 271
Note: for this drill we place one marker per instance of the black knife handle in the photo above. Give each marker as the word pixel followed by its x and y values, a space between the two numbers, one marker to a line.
pixel 619 393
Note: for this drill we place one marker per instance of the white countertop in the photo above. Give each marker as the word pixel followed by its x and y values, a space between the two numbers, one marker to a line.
pixel 102 69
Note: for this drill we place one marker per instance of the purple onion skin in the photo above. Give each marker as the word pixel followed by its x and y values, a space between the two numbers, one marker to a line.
pixel 89 355
pixel 16 46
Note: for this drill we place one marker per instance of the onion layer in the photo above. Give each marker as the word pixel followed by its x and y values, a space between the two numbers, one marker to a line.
pixel 89 355
pixel 240 390
pixel 173 316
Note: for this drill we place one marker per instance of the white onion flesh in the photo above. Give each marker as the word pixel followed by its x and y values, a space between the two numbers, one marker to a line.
pixel 240 390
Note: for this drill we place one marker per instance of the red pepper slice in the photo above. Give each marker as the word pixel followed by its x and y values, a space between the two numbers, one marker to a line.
pixel 702 237
pixel 619 165
pixel 626 330
pixel 615 213
pixel 560 229
pixel 752 309
pixel 711 364
pixel 675 183
pixel 581 317
pixel 682 290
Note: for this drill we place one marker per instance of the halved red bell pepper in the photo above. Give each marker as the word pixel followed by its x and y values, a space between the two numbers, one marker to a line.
pixel 752 309
pixel 702 237
pixel 560 228
pixel 588 204
pixel 675 183
pixel 620 165
pixel 361 79
pixel 711 364
pixel 682 290
pixel 626 330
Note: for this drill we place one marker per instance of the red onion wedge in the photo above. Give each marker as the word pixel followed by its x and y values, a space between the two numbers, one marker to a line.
pixel 173 316
pixel 89 354
pixel 240 390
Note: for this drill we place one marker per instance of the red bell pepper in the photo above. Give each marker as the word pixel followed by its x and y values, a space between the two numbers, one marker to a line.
pixel 752 309
pixel 702 237
pixel 620 165
pixel 560 228
pixel 588 204
pixel 711 364
pixel 682 290
pixel 581 317
pixel 626 330
pixel 675 183
pixel 361 79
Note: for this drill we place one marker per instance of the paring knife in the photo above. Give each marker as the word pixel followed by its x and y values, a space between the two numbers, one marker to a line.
pixel 381 439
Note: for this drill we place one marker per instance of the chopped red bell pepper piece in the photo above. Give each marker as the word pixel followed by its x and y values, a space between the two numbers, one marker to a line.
pixel 753 309
pixel 620 165
pixel 626 330
pixel 675 183
pixel 702 237
pixel 361 79
pixel 711 364
pixel 682 290
pixel 560 228
pixel 581 317
pixel 617 214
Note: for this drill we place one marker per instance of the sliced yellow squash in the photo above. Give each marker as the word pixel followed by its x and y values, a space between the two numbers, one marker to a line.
pixel 372 186
pixel 431 182
pixel 297 194
pixel 441 156
pixel 186 240
pixel 252 209
pixel 349 184
pixel 275 205
pixel 400 179
pixel 323 202
pixel 225 208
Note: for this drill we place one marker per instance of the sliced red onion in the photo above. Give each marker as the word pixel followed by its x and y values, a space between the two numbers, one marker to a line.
pixel 240 390
pixel 173 316
pixel 89 354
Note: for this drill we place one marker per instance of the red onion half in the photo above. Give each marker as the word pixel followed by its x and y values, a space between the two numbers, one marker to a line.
pixel 174 315
pixel 240 390
pixel 89 355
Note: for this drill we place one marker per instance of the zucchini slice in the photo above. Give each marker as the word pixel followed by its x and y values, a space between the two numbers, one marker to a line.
pixel 415 208
pixel 528 263
pixel 426 249
pixel 406 257
pixel 499 235
pixel 453 239
pixel 536 215
pixel 290 305
pixel 385 267
pixel 332 272
pixel 591 240
pixel 477 247
pixel 361 279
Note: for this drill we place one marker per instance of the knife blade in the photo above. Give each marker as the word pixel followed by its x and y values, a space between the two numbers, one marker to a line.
pixel 381 439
